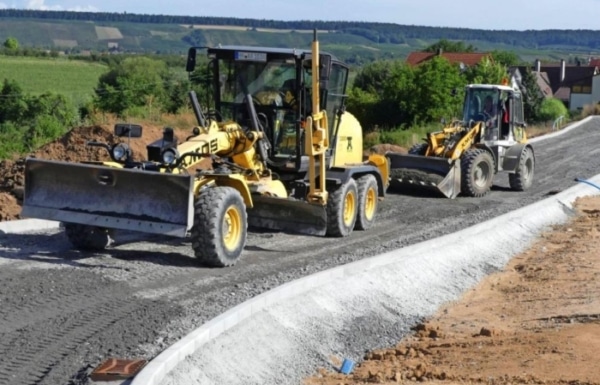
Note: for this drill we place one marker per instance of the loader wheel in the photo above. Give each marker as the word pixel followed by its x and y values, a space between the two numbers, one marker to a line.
pixel 89 238
pixel 220 227
pixel 368 193
pixel 523 178
pixel 342 206
pixel 477 172
pixel 418 149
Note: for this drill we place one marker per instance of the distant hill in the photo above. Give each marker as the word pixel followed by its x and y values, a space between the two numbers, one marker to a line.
pixel 354 42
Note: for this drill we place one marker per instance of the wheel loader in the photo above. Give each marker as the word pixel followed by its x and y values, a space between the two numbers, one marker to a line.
pixel 285 156
pixel 465 155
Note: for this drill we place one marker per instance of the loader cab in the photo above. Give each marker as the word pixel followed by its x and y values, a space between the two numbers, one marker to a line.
pixel 500 108
pixel 279 83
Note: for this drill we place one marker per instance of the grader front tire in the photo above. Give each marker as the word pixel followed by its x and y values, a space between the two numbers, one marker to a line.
pixel 220 227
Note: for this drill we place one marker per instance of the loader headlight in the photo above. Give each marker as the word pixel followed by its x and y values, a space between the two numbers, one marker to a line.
pixel 170 155
pixel 120 152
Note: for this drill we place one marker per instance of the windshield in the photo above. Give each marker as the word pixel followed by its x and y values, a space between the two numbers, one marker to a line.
pixel 272 87
pixel 480 104
pixel 239 78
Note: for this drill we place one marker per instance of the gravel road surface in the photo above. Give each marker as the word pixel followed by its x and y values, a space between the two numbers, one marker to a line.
pixel 62 312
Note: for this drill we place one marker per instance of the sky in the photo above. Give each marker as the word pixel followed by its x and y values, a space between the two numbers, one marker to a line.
pixel 479 14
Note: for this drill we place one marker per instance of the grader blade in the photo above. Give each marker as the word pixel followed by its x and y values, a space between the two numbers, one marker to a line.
pixel 432 173
pixel 287 215
pixel 106 197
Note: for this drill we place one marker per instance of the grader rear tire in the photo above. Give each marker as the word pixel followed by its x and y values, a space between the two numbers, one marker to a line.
pixel 89 238
pixel 342 206
pixel 523 178
pixel 220 227
pixel 477 172
pixel 368 193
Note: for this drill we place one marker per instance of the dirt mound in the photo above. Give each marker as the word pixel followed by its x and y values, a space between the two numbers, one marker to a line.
pixel 70 147
pixel 386 147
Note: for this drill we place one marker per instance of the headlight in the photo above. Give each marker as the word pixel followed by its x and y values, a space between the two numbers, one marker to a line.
pixel 120 152
pixel 170 156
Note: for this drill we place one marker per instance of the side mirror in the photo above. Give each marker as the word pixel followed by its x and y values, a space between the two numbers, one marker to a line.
pixel 324 69
pixel 126 129
pixel 191 60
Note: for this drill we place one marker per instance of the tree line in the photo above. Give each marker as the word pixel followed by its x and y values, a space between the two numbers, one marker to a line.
pixel 377 32
pixel 387 94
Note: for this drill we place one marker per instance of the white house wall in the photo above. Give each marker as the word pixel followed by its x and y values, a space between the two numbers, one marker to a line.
pixel 579 100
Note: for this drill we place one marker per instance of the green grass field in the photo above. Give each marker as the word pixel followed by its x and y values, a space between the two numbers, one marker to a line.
pixel 74 79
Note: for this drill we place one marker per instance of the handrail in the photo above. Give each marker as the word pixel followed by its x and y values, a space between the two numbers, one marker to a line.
pixel 557 122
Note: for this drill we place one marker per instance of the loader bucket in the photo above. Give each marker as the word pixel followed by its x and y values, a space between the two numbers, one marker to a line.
pixel 433 173
pixel 107 197
pixel 287 215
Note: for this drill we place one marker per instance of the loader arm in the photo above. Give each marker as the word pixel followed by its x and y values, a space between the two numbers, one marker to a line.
pixel 466 142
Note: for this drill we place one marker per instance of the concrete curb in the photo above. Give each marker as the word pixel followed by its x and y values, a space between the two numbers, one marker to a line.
pixel 563 131
pixel 518 228
pixel 25 225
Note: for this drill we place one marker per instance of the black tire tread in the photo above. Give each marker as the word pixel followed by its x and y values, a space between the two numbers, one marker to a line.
pixel 418 149
pixel 364 183
pixel 522 180
pixel 335 210
pixel 469 160
pixel 87 238
pixel 206 233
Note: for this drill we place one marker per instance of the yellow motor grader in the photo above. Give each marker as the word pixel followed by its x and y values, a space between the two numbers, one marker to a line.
pixel 285 155
pixel 465 155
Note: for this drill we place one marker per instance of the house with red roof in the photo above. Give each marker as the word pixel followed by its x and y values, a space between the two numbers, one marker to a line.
pixel 466 58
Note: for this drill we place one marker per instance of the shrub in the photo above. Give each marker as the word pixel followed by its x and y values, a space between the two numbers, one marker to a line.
pixel 552 109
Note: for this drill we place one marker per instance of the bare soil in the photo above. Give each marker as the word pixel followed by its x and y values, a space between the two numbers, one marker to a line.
pixel 536 322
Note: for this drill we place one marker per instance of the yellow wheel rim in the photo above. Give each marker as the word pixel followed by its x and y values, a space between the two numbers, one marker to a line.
pixel 349 208
pixel 370 203
pixel 232 228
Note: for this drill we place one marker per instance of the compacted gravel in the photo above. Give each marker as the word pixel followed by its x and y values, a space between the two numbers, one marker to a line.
pixel 62 312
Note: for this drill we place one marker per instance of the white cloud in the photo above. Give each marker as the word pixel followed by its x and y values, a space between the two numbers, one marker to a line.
pixel 39 5
pixel 83 8
pixel 42 6
pixel 2 6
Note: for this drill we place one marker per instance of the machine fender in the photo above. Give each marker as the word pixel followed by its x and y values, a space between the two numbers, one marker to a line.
pixel 493 153
pixel 235 181
pixel 340 175
pixel 513 155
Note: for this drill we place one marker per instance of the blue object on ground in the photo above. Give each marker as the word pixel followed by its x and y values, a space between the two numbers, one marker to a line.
pixel 347 366
pixel 588 182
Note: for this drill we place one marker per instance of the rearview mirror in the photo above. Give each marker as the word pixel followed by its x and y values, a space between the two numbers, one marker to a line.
pixel 324 67
pixel 191 60
pixel 130 130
